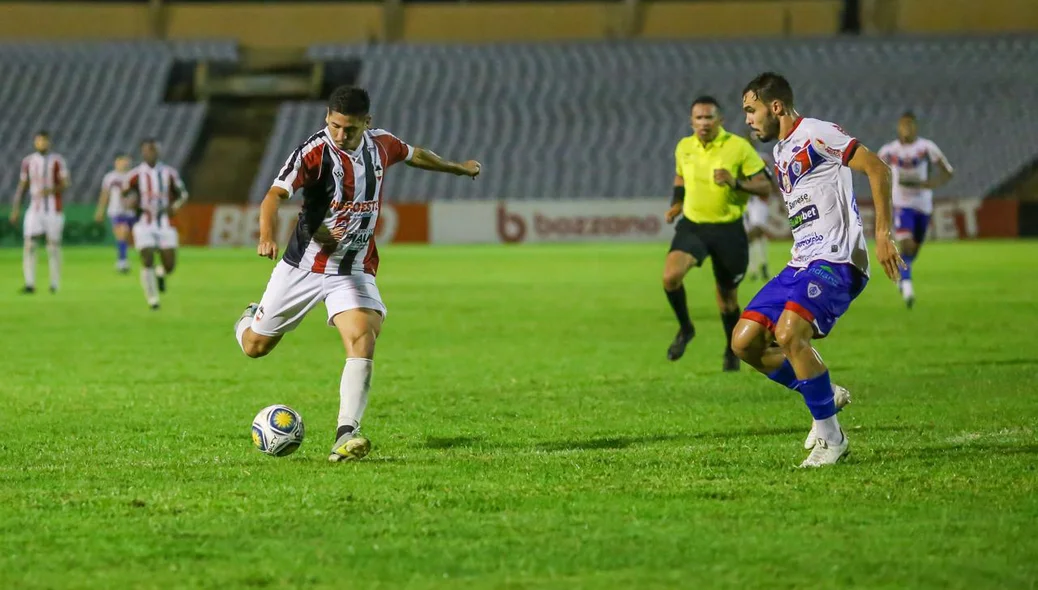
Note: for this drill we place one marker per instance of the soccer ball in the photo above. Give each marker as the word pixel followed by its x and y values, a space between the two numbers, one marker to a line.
pixel 277 430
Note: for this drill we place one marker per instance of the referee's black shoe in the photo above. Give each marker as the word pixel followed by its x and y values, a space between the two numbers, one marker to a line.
pixel 731 362
pixel 677 348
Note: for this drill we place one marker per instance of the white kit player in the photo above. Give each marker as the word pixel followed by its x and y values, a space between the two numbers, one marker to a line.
pixel 331 256
pixel 913 158
pixel 756 218
pixel 45 174
pixel 112 204
pixel 830 260
pixel 159 193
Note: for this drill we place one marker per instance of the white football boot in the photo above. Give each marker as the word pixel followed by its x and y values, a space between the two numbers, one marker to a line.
pixel 826 453
pixel 841 397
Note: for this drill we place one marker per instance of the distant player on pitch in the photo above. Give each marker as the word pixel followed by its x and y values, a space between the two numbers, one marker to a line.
pixel 830 265
pixel 159 193
pixel 111 202
pixel 913 160
pixel 45 174
pixel 338 174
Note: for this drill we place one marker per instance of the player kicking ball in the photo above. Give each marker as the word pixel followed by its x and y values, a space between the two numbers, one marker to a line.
pixel 830 263
pixel 331 256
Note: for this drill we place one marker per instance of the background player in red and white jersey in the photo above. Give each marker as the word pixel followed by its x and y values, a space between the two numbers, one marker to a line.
pixel 112 203
pixel 913 160
pixel 338 173
pixel 46 176
pixel 159 193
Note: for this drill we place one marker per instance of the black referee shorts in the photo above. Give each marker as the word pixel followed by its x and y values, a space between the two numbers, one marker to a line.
pixel 725 242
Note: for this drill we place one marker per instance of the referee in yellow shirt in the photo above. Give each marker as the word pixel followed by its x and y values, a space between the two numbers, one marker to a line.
pixel 715 174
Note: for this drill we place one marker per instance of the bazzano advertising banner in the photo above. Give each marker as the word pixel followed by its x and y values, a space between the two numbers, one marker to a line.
pixel 641 220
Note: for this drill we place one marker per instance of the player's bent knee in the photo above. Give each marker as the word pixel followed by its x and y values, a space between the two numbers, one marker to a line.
pixel 256 345
pixel 748 342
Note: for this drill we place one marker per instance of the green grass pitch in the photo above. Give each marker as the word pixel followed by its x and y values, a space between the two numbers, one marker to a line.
pixel 528 432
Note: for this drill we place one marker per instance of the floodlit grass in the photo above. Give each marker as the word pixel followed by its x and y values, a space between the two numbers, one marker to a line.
pixel 528 432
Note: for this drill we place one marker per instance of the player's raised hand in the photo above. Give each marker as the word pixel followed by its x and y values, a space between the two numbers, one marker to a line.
pixel 723 177
pixel 471 168
pixel 672 213
pixel 267 249
pixel 889 257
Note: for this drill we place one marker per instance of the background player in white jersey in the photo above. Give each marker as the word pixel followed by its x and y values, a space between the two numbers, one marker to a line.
pixel 46 176
pixel 112 203
pixel 159 193
pixel 332 257
pixel 911 158
pixel 830 264
pixel 756 218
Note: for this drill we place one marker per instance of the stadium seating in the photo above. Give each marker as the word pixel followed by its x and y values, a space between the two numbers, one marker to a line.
pixel 600 119
pixel 96 99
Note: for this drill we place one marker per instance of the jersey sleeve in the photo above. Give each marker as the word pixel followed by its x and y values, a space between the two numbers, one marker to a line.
pixel 178 186
pixel 751 162
pixel 884 154
pixel 61 170
pixel 677 160
pixel 834 143
pixel 23 174
pixel 936 155
pixel 397 150
pixel 301 169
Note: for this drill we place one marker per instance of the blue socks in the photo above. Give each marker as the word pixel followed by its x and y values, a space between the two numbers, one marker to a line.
pixel 121 246
pixel 785 376
pixel 906 274
pixel 818 395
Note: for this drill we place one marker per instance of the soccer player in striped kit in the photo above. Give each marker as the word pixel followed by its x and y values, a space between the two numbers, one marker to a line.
pixel 332 257
pixel 159 193
pixel 45 174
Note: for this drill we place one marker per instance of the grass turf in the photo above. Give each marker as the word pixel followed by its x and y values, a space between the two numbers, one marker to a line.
pixel 529 433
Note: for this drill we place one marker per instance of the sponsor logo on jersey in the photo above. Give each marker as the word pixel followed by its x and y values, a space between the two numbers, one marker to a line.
pixel 803 216
pixel 798 201
pixel 810 240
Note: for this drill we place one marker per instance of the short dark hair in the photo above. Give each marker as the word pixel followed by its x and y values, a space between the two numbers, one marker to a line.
pixel 908 115
pixel 349 100
pixel 770 86
pixel 705 99
pixel 148 140
pixel 42 133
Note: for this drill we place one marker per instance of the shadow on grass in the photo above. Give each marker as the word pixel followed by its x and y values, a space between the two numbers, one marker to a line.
pixel 951 452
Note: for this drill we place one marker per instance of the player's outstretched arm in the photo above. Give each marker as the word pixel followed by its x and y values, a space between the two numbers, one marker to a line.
pixel 268 219
pixel 879 180
pixel 429 160
pixel 102 205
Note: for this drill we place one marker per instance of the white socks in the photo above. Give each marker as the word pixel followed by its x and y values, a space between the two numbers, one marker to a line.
pixel 829 429
pixel 160 271
pixel 29 265
pixel 353 391
pixel 151 285
pixel 239 329
pixel 906 289
pixel 54 264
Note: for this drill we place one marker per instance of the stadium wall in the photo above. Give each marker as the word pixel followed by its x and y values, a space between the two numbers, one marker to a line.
pixel 523 222
pixel 300 24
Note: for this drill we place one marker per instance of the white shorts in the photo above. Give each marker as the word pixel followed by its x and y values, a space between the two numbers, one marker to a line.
pixel 756 213
pixel 291 293
pixel 38 223
pixel 153 235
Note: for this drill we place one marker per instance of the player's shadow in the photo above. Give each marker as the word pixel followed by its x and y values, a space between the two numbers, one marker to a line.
pixel 622 442
pixel 455 442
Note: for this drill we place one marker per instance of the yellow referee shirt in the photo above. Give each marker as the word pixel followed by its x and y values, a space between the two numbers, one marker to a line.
pixel 706 201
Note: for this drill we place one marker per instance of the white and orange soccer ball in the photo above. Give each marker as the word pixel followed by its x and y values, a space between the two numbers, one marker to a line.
pixel 277 430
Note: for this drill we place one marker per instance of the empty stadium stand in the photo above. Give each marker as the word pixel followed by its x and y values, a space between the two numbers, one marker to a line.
pixel 96 99
pixel 600 119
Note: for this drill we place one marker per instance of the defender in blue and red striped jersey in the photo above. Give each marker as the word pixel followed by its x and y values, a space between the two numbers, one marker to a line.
pixel 338 174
